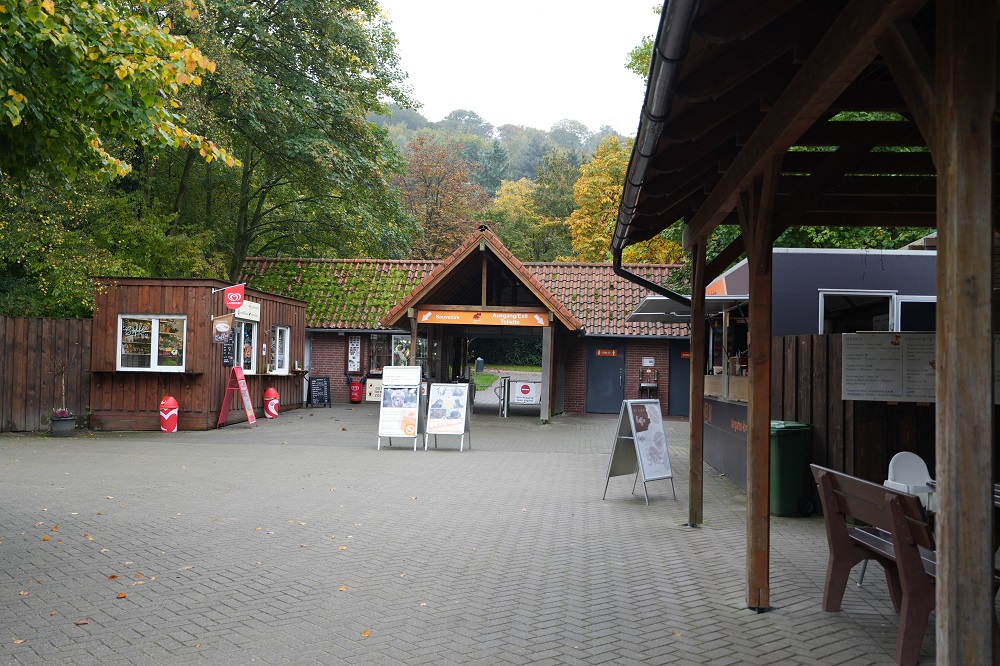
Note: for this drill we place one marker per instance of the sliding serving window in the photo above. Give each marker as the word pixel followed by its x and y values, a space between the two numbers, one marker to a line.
pixel 151 343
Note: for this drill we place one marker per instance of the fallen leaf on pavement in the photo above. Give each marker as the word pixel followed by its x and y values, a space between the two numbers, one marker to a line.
pixel 343 588
pixel 366 633
pixel 122 595
pixel 46 538
pixel 113 577
pixel 18 641
pixel 82 621
pixel 55 528
pixel 24 593
pixel 343 547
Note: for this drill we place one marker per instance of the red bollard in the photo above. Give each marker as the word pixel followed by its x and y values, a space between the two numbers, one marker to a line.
pixel 168 414
pixel 271 400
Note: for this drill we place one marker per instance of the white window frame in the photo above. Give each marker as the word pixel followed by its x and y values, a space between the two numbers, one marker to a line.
pixel 241 344
pixel 888 294
pixel 280 351
pixel 154 325
pixel 897 305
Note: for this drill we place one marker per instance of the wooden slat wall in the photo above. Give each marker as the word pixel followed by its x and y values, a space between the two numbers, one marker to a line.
pixel 856 437
pixel 31 351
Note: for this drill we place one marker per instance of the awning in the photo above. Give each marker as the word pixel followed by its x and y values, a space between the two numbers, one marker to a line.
pixel 663 309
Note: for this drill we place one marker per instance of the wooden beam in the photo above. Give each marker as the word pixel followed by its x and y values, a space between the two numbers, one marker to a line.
pixel 844 51
pixel 756 210
pixel 913 70
pixel 696 471
pixel 724 259
pixel 966 52
pixel 910 164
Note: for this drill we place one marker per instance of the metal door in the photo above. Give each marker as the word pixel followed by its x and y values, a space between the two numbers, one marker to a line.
pixel 605 376
pixel 679 402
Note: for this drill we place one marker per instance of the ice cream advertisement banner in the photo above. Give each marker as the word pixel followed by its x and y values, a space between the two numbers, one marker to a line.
pixel 447 409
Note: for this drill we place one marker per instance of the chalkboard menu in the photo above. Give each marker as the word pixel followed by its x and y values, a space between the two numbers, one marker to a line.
pixel 229 350
pixel 319 391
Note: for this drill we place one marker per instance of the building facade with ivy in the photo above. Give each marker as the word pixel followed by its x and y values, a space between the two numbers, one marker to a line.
pixel 365 314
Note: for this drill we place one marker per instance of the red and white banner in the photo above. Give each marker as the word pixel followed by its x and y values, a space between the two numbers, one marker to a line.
pixel 234 296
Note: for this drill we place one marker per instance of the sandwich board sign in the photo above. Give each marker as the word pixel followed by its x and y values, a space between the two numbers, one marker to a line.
pixel 640 446
pixel 399 415
pixel 448 413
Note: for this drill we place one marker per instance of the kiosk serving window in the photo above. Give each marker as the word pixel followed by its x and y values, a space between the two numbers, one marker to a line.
pixel 154 343
pixel 278 360
pixel 246 343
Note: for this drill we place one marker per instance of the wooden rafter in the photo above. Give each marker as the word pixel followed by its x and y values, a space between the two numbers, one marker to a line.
pixel 844 51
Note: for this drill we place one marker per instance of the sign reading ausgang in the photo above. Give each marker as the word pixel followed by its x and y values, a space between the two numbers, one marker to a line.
pixel 483 317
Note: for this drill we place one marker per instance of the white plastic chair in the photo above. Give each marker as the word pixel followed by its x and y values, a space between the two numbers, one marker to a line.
pixel 908 473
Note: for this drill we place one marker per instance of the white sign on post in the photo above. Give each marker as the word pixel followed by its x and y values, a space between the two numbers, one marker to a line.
pixel 640 445
pixel 448 412
pixel 400 407
pixel 526 393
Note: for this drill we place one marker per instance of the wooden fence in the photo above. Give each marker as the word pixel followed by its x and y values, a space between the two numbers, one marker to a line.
pixel 36 357
pixel 856 437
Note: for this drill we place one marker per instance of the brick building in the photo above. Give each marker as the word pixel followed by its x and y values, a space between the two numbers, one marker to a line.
pixel 364 314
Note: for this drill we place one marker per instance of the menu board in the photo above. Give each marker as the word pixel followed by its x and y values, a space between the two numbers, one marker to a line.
pixel 889 366
pixel 640 445
pixel 319 391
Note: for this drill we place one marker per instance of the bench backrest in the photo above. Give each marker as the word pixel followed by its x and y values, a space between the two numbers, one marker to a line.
pixel 870 503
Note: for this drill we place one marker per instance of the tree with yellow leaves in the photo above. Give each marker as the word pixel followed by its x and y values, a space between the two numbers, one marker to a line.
pixel 598 193
pixel 77 77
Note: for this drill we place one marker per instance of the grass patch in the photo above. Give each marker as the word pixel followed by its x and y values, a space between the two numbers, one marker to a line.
pixel 501 370
pixel 484 380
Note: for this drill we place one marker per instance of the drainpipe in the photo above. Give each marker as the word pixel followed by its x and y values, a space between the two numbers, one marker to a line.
pixel 669 51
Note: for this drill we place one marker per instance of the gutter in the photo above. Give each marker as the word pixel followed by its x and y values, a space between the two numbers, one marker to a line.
pixel 669 51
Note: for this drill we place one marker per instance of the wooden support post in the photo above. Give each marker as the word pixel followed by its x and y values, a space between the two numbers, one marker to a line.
pixel 756 211
pixel 965 83
pixel 696 483
pixel 545 414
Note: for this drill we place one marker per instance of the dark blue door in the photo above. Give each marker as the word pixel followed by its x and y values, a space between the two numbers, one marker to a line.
pixel 605 376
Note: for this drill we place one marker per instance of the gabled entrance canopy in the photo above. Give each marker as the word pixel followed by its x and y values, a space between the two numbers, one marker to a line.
pixel 482 276
pixel 482 289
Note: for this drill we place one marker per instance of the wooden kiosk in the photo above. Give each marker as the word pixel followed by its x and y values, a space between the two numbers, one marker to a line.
pixel 154 338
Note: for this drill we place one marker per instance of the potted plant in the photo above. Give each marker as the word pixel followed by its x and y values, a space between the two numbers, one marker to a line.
pixel 63 420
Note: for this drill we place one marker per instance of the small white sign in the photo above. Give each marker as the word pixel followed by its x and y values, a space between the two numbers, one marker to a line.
pixel 526 393
pixel 249 311
pixel 648 362
pixel 373 390
pixel 354 353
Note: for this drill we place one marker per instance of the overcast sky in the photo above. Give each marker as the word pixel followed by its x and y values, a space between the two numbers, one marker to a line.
pixel 524 62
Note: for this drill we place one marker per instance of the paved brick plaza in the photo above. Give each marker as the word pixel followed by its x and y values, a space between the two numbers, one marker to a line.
pixel 233 547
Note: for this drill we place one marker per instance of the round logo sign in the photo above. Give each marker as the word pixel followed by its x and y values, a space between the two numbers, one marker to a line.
pixel 525 389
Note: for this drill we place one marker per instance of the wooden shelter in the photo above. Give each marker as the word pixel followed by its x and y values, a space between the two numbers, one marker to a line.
pixel 153 338
pixel 743 124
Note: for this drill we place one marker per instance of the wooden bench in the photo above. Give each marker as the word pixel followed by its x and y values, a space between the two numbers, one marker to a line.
pixel 898 536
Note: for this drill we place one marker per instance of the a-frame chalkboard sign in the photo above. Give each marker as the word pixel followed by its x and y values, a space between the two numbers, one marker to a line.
pixel 640 446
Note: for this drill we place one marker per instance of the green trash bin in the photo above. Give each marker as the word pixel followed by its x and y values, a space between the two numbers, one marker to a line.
pixel 789 462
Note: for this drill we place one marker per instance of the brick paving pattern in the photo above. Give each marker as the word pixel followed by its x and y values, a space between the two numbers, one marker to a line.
pixel 284 544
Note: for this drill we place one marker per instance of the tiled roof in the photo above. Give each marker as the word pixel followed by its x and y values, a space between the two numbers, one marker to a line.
pixel 357 294
pixel 342 294
pixel 601 299
pixel 486 238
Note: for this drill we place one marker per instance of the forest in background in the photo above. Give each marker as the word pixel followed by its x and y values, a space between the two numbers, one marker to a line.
pixel 169 138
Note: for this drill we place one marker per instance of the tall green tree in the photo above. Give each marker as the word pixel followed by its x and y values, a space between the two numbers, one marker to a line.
pixel 557 174
pixel 82 79
pixel 301 79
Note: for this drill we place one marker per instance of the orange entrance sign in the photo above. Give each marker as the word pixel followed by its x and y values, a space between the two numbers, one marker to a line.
pixel 607 352
pixel 483 317
pixel 237 382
